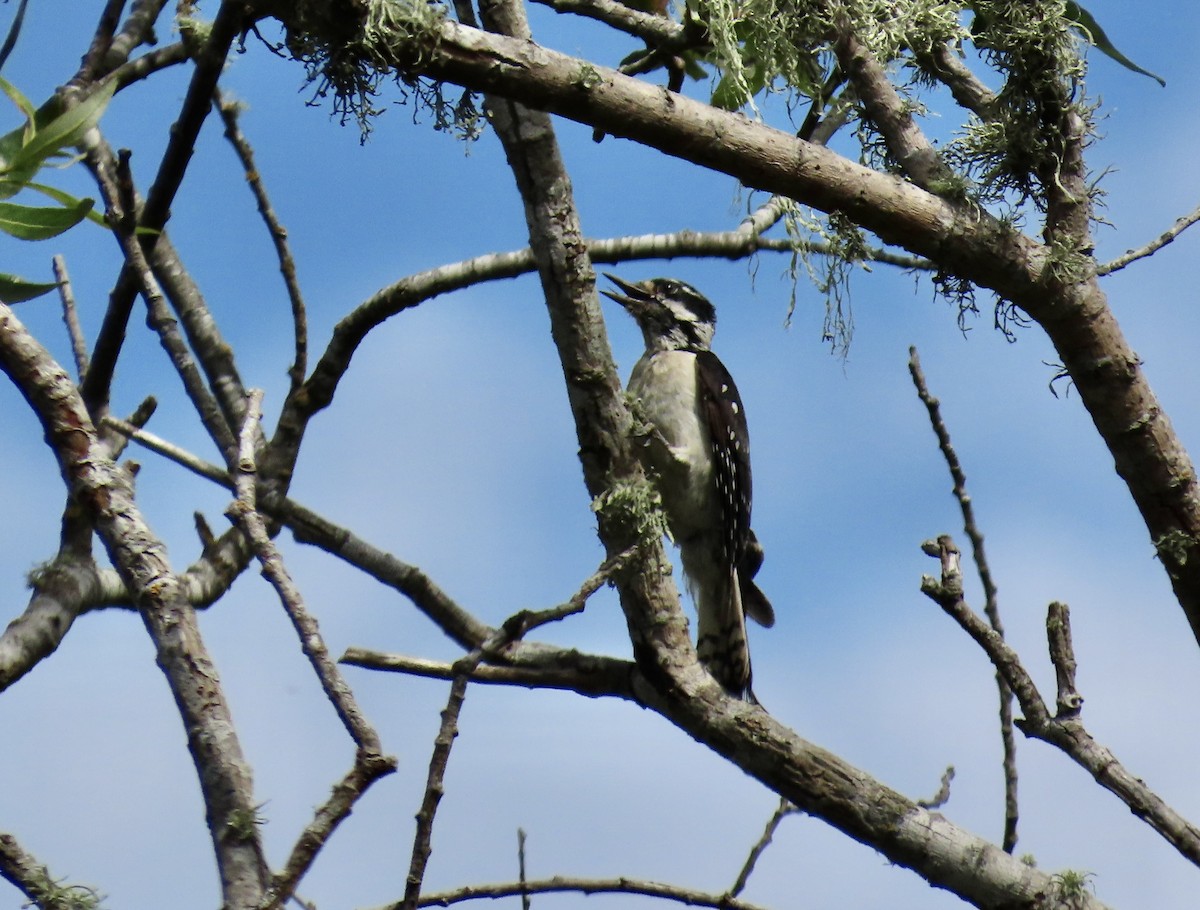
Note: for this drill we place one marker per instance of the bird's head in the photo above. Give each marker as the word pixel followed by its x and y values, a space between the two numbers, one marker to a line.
pixel 672 315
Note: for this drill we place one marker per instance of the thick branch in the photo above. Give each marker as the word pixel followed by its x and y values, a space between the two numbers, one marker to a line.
pixel 961 238
pixel 104 491
pixel 33 880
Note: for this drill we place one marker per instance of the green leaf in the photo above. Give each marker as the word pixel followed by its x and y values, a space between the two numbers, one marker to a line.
pixel 69 201
pixel 18 98
pixel 64 130
pixel 14 289
pixel 1087 25
pixel 27 222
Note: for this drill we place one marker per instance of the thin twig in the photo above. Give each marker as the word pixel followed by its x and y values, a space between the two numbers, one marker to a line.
pixel 526 903
pixel 92 63
pixel 141 415
pixel 1181 224
pixel 120 197
pixel 368 768
pixel 245 512
pixel 229 111
pixel 370 764
pixel 991 603
pixel 153 215
pixel 14 32
pixel 563 884
pixel 783 811
pixel 512 630
pixel 71 316
pixel 942 796
pixel 568 671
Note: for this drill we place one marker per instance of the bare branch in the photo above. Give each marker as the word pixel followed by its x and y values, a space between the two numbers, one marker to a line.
pixel 1062 655
pixel 151 62
pixel 1181 224
pixel 526 903
pixel 245 512
pixel 71 316
pixel 944 62
pixel 561 884
pixel 64 589
pixel 905 141
pixel 512 630
pixel 153 215
pixel 104 491
pixel 368 768
pixel 783 811
pixel 586 674
pixel 942 796
pixel 991 604
pixel 120 197
pixel 229 111
pixel 656 30
pixel 422 840
pixel 137 30
pixel 1066 733
pixel 948 594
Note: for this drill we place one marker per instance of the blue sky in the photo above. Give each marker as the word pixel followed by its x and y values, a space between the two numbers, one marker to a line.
pixel 451 445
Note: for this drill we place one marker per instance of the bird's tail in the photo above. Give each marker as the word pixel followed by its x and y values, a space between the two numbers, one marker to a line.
pixel 721 636
pixel 724 597
pixel 721 622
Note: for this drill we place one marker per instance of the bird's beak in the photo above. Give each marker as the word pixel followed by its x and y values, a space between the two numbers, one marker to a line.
pixel 635 294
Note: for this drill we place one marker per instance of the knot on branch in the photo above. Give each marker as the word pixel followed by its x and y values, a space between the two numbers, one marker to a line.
pixel 950 588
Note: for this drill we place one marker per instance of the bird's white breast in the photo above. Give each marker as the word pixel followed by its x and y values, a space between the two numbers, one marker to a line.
pixel 665 382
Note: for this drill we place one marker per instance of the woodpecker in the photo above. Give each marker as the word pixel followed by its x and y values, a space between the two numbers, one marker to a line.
pixel 697 449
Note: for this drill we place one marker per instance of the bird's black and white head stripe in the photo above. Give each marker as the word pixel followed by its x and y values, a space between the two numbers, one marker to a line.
pixel 673 315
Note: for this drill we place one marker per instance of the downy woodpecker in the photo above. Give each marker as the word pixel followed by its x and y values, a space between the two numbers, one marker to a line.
pixel 697 450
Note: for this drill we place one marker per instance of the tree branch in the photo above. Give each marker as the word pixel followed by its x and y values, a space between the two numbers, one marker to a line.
pixel 785 809
pixel 229 111
pixel 244 511
pixel 33 880
pixel 979 248
pixel 104 491
pixel 1066 732
pixel 511 630
pixel 991 604
pixel 153 215
pixel 71 315
pixel 1168 236
pixel 564 884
